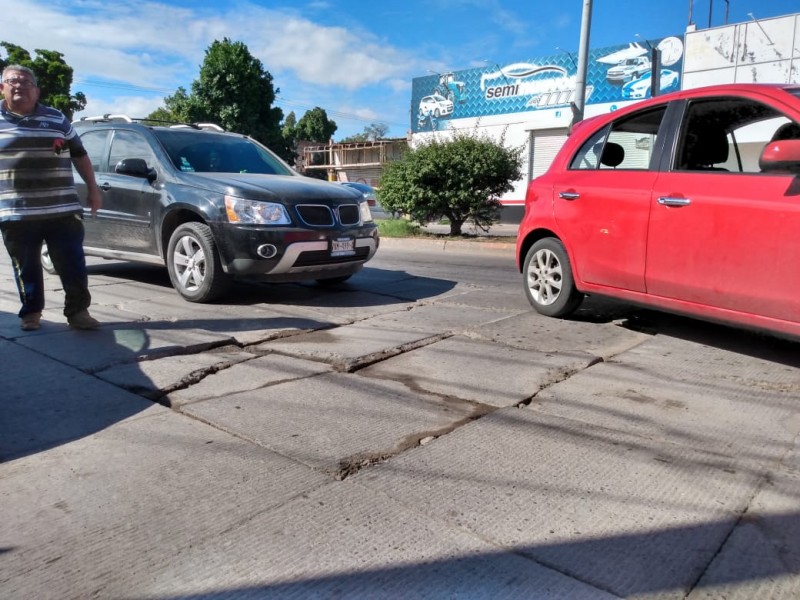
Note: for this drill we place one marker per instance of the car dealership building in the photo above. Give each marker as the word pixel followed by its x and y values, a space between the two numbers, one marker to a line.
pixel 528 104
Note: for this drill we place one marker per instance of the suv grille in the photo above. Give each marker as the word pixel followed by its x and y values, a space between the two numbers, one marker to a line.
pixel 319 215
pixel 315 214
pixel 348 214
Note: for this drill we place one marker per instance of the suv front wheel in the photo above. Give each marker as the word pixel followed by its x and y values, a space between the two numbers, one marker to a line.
pixel 194 266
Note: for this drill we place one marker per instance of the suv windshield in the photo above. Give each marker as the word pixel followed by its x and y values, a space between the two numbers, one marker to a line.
pixel 218 153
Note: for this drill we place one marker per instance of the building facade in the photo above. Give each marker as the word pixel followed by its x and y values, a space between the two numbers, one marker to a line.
pixel 528 104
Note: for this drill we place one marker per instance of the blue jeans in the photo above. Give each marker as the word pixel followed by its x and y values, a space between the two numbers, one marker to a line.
pixel 64 237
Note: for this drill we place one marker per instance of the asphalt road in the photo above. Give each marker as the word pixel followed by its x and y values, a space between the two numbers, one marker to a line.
pixel 417 432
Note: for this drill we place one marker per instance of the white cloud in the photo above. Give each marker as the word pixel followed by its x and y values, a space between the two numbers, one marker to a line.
pixel 133 106
pixel 127 59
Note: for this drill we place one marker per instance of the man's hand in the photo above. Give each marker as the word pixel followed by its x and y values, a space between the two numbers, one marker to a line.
pixel 94 200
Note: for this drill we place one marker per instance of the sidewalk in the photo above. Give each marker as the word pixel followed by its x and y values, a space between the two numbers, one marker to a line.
pixel 407 437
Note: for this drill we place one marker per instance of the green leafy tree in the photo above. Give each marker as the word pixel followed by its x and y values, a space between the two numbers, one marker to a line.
pixel 289 133
pixel 53 74
pixel 460 178
pixel 161 116
pixel 234 91
pixel 289 130
pixel 315 126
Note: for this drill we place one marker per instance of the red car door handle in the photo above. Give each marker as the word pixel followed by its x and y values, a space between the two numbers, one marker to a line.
pixel 667 201
pixel 569 195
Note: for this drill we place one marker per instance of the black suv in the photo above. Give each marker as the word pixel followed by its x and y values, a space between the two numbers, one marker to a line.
pixel 214 205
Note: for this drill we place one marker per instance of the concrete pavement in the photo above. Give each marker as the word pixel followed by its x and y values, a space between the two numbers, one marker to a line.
pixel 401 438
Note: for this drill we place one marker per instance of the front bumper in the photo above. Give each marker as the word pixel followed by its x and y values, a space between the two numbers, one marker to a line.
pixel 299 254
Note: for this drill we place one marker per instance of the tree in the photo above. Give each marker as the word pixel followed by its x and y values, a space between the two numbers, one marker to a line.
pixel 460 178
pixel 374 132
pixel 161 116
pixel 314 126
pixel 234 91
pixel 53 75
pixel 289 130
pixel 289 134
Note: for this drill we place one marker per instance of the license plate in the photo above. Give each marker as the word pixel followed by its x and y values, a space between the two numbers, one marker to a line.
pixel 345 246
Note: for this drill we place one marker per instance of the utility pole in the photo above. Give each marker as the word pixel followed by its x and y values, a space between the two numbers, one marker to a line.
pixel 583 61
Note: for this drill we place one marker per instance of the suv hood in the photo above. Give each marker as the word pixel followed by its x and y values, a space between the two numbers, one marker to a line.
pixel 287 188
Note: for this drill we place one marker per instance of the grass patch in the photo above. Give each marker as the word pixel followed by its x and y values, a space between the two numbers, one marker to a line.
pixel 398 228
pixel 403 228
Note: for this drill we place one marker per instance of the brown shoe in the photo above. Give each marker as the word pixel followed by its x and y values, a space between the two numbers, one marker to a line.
pixel 30 322
pixel 83 320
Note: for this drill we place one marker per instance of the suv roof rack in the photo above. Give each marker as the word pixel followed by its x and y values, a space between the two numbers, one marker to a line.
pixel 209 126
pixel 109 118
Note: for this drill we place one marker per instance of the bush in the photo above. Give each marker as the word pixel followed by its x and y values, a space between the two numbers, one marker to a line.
pixel 460 179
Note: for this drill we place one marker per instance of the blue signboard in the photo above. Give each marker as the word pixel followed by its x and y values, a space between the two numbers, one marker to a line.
pixel 614 74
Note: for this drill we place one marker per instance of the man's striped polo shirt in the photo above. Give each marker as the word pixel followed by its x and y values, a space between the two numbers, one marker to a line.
pixel 35 168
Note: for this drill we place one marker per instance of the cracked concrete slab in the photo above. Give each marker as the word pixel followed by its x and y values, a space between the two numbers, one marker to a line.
pixel 347 347
pixel 184 482
pixel 437 319
pixel 712 399
pixel 245 376
pixel 636 517
pixel 488 299
pixel 537 332
pixel 762 557
pixel 117 344
pixel 154 378
pixel 46 403
pixel 344 541
pixel 333 422
pixel 479 371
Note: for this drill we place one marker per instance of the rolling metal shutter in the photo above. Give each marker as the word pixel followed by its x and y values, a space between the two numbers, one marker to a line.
pixel 544 147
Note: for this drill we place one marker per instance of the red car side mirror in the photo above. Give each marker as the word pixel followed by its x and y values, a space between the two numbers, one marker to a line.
pixel 782 155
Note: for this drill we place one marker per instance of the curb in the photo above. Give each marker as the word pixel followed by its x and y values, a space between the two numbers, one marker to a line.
pixel 447 245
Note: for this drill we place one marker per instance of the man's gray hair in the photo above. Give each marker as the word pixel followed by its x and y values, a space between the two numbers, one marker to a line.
pixel 27 70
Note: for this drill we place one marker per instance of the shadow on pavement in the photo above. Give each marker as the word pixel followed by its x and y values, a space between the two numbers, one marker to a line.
pixel 759 552
pixel 51 395
pixel 393 286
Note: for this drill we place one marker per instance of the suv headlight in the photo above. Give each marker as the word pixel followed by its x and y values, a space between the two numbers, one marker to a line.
pixel 254 212
pixel 366 214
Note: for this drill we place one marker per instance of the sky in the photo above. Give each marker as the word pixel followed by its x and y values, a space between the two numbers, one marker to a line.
pixel 354 58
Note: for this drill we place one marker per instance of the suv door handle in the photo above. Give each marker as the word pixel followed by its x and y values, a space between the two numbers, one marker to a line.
pixel 668 201
pixel 569 195
pixel 105 186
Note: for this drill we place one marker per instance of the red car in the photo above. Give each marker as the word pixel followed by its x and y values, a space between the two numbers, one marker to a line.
pixel 688 202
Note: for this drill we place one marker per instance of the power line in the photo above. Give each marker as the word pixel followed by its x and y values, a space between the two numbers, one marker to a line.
pixel 335 113
pixel 121 86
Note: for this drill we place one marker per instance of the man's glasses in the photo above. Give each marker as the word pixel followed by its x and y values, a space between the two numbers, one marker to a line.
pixel 22 83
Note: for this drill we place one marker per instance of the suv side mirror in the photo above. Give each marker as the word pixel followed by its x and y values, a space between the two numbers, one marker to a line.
pixel 136 167
pixel 782 155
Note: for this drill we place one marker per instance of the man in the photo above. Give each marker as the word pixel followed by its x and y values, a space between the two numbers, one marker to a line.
pixel 38 199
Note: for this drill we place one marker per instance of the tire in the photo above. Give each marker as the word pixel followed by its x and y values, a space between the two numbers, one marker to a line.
pixel 548 279
pixel 194 265
pixel 436 112
pixel 47 262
